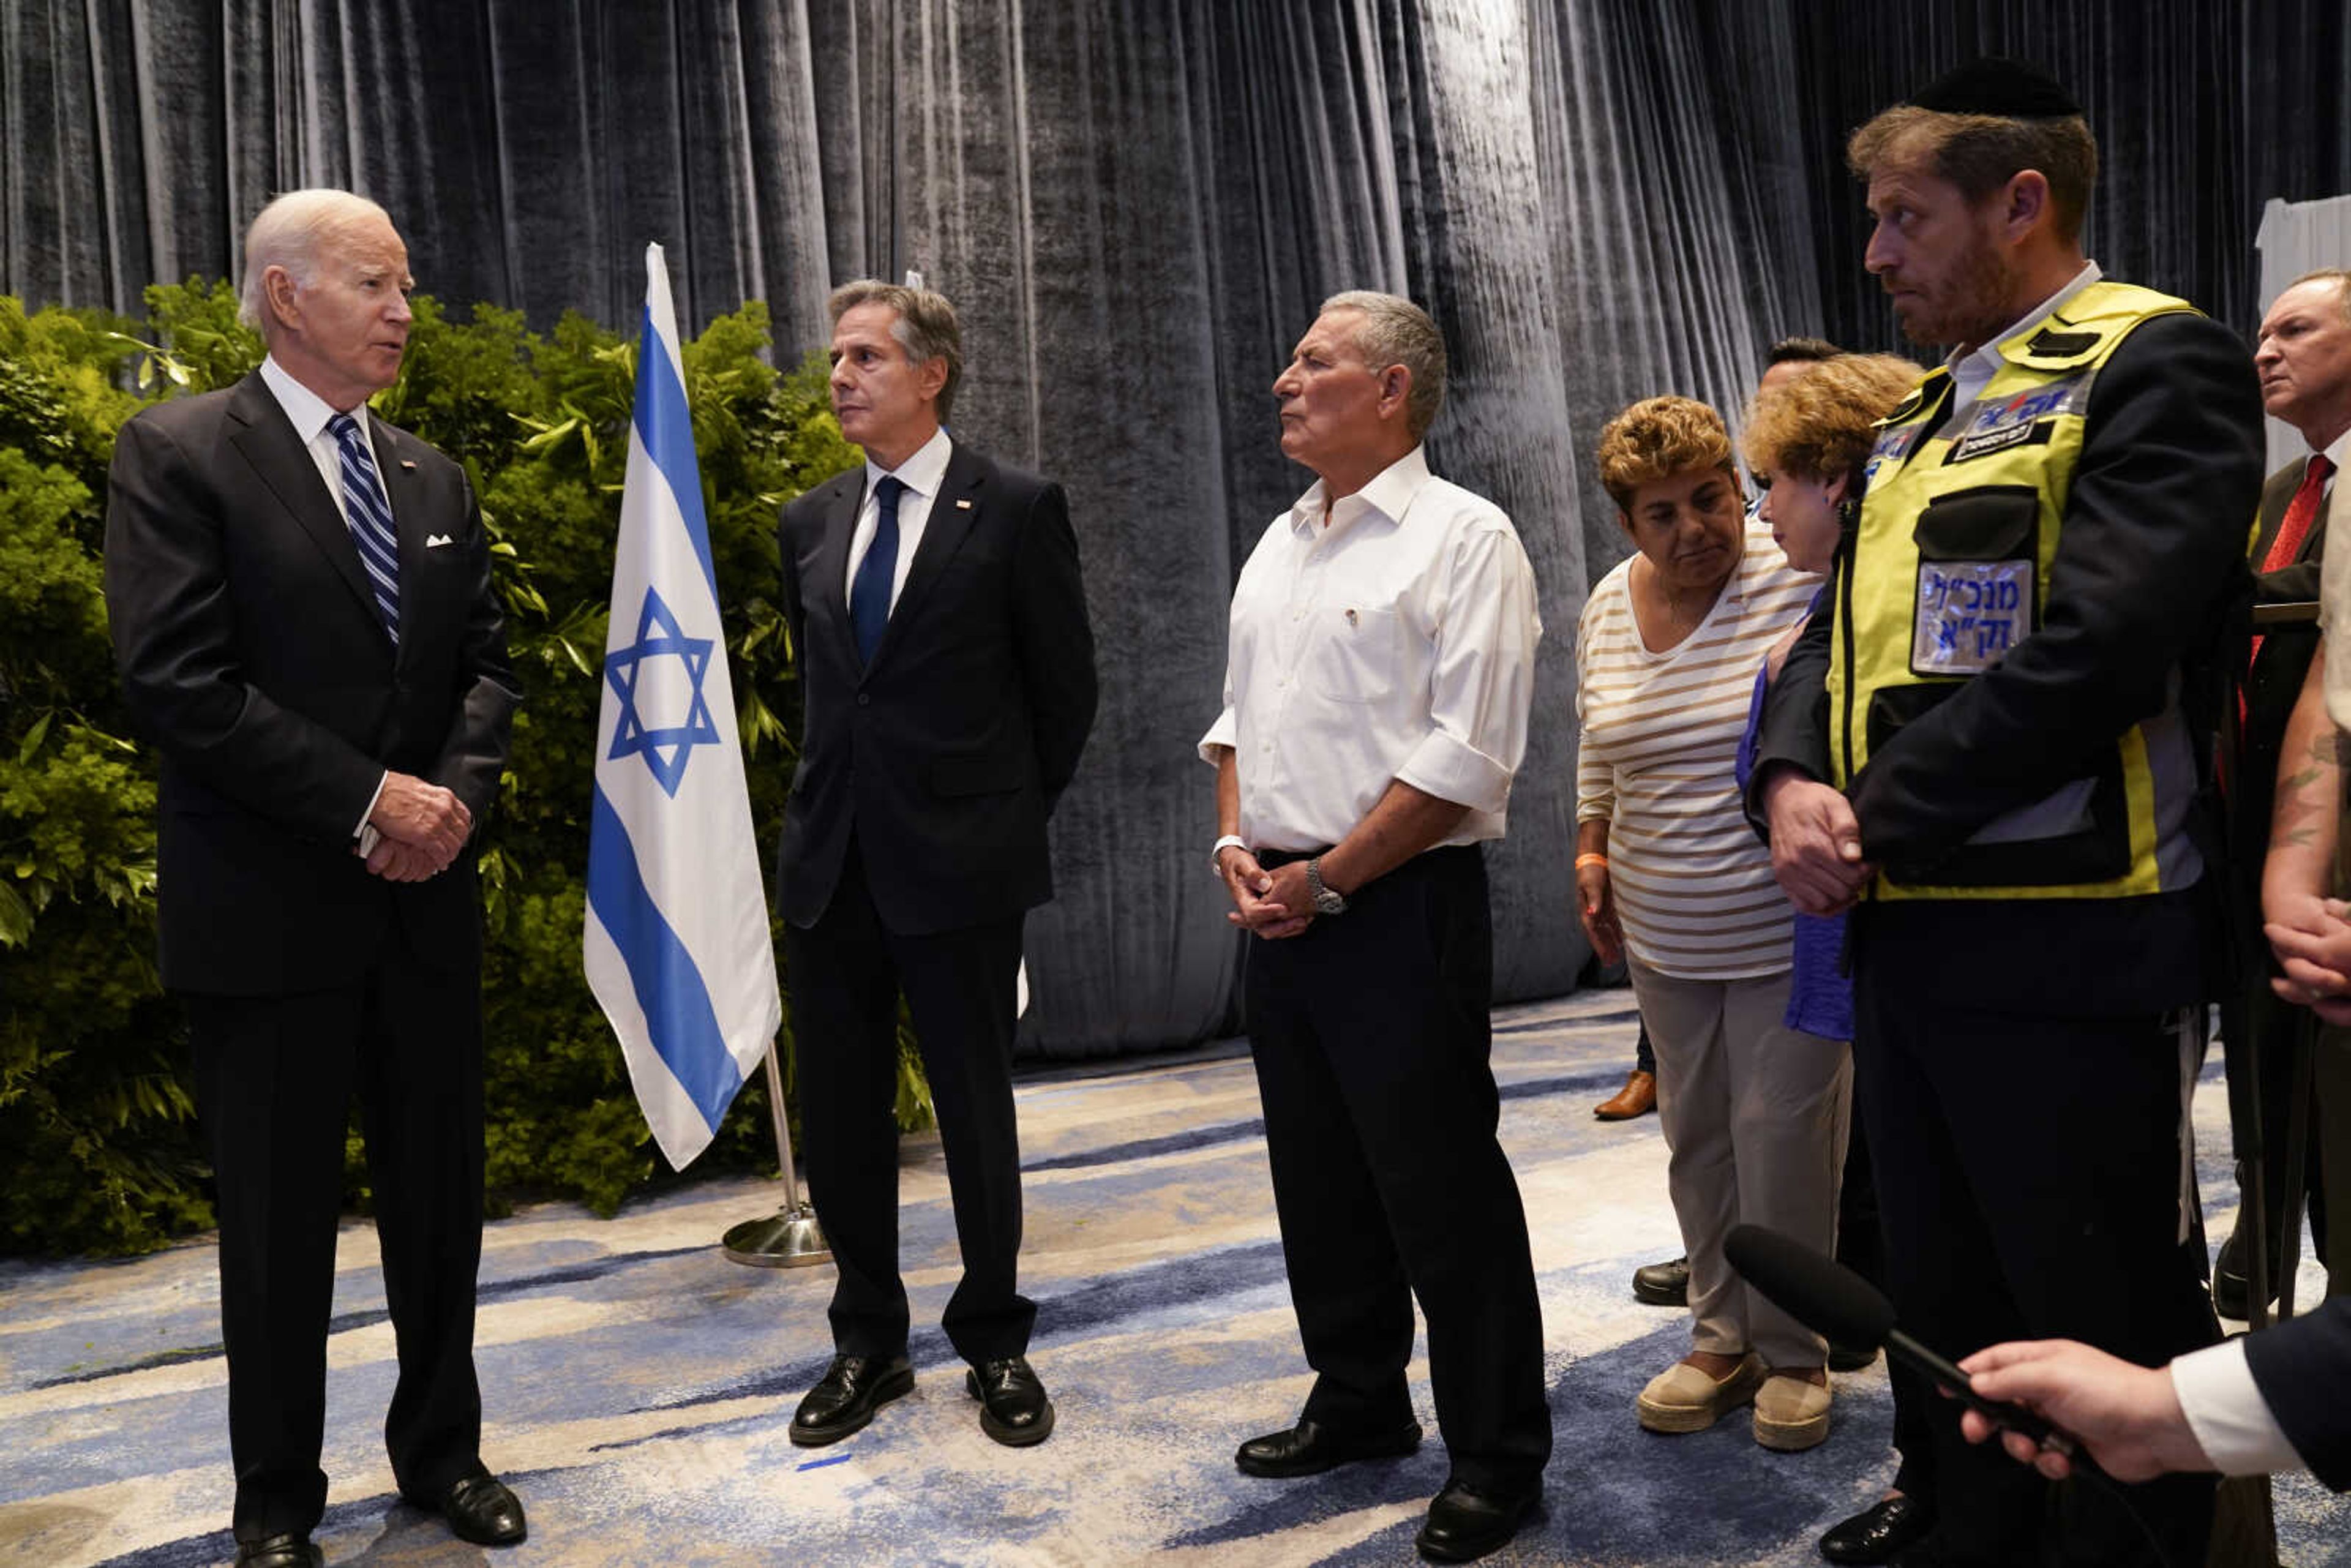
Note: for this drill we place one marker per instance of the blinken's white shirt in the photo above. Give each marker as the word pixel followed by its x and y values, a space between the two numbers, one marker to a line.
pixel 1397 641
pixel 922 474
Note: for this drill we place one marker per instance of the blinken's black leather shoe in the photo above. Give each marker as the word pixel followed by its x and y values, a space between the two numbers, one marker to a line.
pixel 1465 1523
pixel 1013 1408
pixel 288 1551
pixel 1879 1532
pixel 1309 1447
pixel 845 1397
pixel 479 1508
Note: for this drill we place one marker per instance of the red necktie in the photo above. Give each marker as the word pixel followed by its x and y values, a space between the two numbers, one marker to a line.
pixel 2300 514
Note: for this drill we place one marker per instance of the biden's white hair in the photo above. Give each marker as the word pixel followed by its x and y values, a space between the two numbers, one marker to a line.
pixel 290 233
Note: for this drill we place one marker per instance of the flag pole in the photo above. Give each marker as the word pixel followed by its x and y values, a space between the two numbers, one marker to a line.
pixel 790 1238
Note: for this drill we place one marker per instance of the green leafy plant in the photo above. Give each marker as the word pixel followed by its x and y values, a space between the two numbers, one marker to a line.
pixel 97 1146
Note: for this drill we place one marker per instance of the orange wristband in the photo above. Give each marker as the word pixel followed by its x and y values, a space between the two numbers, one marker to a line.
pixel 1584 859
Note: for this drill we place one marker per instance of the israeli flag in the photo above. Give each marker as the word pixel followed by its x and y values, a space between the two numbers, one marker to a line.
pixel 676 944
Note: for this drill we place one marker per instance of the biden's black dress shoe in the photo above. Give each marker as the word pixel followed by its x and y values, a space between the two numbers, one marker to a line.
pixel 287 1550
pixel 1013 1408
pixel 845 1397
pixel 1465 1524
pixel 1879 1532
pixel 1309 1447
pixel 479 1508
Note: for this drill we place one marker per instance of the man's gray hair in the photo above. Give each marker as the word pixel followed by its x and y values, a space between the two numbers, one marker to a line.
pixel 1396 331
pixel 288 233
pixel 926 327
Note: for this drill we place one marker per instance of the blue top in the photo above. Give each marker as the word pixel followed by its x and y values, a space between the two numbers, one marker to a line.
pixel 1820 999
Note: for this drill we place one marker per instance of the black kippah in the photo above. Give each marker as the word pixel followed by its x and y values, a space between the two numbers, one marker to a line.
pixel 2012 89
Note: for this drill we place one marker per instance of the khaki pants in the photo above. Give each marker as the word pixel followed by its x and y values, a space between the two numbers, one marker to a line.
pixel 1755 1114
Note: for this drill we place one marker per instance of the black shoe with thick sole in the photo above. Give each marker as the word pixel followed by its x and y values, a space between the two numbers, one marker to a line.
pixel 1013 1408
pixel 845 1397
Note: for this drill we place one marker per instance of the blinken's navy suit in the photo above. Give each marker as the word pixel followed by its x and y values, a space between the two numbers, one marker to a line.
pixel 913 844
pixel 253 655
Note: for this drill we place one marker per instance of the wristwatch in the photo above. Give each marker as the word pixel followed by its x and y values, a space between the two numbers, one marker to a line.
pixel 1216 851
pixel 1327 900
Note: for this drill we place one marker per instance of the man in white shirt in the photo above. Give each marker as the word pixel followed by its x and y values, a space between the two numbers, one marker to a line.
pixel 1376 693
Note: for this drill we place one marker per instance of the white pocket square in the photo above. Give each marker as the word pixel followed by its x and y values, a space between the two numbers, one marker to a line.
pixel 435 541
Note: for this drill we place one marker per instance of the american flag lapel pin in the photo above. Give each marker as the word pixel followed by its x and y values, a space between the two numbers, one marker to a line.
pixel 963 503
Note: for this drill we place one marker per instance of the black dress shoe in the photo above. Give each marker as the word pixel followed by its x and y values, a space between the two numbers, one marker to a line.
pixel 1663 1284
pixel 1879 1532
pixel 479 1508
pixel 1013 1408
pixel 1465 1523
pixel 1850 1357
pixel 1309 1447
pixel 2233 1287
pixel 288 1551
pixel 845 1397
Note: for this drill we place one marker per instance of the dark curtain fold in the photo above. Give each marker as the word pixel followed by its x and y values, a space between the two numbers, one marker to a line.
pixel 1137 207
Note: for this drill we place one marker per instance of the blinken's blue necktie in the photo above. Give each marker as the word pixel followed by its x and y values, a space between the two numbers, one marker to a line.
pixel 370 517
pixel 869 592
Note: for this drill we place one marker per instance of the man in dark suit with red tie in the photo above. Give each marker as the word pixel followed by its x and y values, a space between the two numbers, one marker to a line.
pixel 947 686
pixel 301 607
pixel 2304 358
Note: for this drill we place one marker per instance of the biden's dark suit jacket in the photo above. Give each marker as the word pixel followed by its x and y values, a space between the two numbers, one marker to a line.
pixel 252 654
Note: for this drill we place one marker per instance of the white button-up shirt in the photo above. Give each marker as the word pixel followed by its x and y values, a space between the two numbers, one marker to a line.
pixel 1396 641
pixel 922 474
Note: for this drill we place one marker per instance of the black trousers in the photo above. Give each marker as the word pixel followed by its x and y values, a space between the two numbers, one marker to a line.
pixel 2030 1173
pixel 847 970
pixel 275 1077
pixel 1371 1035
pixel 1861 1247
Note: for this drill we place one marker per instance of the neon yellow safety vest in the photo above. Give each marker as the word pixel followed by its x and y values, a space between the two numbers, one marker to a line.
pixel 1959 523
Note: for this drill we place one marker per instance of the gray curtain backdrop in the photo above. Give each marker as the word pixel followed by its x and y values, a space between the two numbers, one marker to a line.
pixel 1137 207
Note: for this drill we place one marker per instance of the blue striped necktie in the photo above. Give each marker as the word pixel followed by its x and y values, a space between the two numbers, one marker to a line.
pixel 370 517
pixel 869 590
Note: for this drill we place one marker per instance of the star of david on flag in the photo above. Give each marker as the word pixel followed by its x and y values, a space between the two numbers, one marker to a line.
pixel 665 748
pixel 676 945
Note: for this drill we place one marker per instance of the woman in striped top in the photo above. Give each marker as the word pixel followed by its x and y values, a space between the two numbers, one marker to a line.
pixel 1669 874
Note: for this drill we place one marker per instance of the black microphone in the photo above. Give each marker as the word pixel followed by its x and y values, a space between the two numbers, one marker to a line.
pixel 1830 1299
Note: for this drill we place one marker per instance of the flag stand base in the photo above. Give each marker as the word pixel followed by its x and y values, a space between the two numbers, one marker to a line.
pixel 788 1238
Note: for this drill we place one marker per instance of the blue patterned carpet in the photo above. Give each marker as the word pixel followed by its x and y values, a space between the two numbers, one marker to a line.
pixel 639 1385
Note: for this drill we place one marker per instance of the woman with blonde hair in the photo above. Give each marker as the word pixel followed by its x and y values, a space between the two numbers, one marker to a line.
pixel 1669 874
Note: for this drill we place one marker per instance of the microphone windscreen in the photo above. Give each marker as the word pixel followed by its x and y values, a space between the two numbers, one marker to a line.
pixel 1819 1292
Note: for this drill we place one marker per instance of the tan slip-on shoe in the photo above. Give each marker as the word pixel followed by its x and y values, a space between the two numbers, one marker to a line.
pixel 1790 1414
pixel 1684 1399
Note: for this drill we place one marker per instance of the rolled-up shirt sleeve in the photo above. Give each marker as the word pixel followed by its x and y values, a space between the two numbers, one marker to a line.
pixel 1482 684
pixel 1225 732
